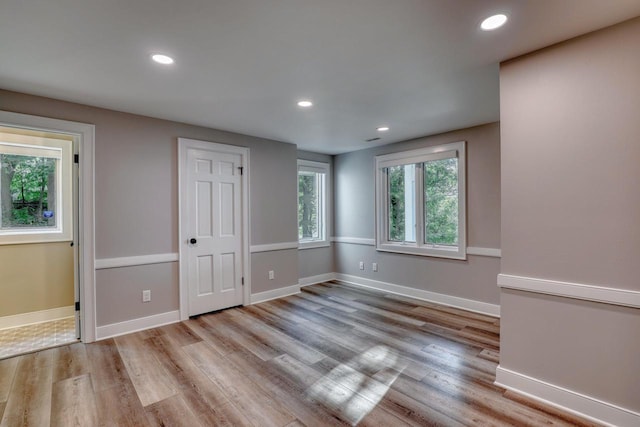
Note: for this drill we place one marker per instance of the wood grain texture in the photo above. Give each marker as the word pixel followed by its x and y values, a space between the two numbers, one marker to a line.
pixel 334 355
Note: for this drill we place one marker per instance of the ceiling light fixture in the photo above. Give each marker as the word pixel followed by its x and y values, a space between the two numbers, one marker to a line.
pixel 493 22
pixel 162 59
pixel 382 128
pixel 305 104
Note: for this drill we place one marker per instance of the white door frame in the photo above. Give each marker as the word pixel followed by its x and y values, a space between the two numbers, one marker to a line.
pixel 183 145
pixel 84 135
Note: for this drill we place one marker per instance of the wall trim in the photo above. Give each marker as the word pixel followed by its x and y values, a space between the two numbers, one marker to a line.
pixel 275 294
pixel 354 240
pixel 135 325
pixel 568 400
pixel 136 260
pixel 601 294
pixel 273 247
pixel 490 252
pixel 24 319
pixel 450 300
pixel 320 278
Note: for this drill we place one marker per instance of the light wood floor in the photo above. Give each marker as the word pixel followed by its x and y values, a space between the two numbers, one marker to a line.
pixel 332 355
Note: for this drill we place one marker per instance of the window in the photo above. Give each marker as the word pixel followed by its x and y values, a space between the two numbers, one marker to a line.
pixel 35 189
pixel 313 190
pixel 420 199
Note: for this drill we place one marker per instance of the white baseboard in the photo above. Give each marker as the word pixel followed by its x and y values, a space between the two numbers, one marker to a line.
pixel 452 301
pixel 567 400
pixel 135 325
pixel 320 278
pixel 33 317
pixel 274 294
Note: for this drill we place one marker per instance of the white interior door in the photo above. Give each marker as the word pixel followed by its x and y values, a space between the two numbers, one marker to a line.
pixel 212 227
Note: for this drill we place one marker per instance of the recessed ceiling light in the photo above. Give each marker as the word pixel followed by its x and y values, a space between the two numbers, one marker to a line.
pixel 493 22
pixel 305 104
pixel 162 59
pixel 382 128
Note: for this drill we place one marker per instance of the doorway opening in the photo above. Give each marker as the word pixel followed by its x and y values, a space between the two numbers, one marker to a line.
pixel 46 233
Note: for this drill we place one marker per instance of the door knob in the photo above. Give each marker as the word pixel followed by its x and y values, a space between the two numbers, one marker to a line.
pixel 193 241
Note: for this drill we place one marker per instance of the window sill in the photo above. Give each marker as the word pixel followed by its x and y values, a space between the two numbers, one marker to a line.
pixel 312 244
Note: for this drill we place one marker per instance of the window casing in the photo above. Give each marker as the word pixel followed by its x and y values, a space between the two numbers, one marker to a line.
pixel 313 204
pixel 420 201
pixel 36 203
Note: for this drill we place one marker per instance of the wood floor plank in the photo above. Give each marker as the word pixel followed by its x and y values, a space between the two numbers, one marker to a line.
pixel 107 367
pixel 119 406
pixel 7 373
pixel 73 402
pixel 248 396
pixel 150 380
pixel 172 411
pixel 29 400
pixel 70 361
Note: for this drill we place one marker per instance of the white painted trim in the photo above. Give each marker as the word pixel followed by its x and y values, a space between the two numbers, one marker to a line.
pixel 489 252
pixel 136 260
pixel 84 136
pixel 273 247
pixel 568 400
pixel 275 294
pixel 139 324
pixel 183 145
pixel 320 278
pixel 313 244
pixel 24 319
pixel 601 294
pixel 354 240
pixel 450 300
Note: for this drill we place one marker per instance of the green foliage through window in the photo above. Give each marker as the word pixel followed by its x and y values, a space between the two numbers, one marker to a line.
pixel 308 205
pixel 441 201
pixel 28 191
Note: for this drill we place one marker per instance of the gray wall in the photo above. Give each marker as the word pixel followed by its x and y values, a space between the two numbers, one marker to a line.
pixel 570 209
pixel 136 192
pixel 317 261
pixel 475 279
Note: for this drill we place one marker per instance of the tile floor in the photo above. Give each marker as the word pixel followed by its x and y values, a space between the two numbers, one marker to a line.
pixel 25 339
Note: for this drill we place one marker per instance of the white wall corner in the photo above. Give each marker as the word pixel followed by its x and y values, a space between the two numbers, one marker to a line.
pixel 450 300
pixel 135 325
pixel 567 400
pixel 274 294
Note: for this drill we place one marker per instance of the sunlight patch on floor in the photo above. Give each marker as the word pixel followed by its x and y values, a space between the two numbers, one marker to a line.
pixel 353 393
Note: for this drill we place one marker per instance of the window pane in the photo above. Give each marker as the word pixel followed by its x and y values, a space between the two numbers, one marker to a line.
pixel 401 181
pixel 441 202
pixel 309 205
pixel 28 191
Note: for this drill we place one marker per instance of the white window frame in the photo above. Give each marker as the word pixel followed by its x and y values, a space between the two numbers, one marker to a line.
pixel 325 200
pixel 418 156
pixel 61 150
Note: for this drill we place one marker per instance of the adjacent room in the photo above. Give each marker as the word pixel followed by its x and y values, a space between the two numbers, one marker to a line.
pixel 312 213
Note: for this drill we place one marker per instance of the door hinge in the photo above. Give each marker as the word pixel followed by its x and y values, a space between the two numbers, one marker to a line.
pixel 243 281
pixel 77 305
pixel 241 169
pixel 76 158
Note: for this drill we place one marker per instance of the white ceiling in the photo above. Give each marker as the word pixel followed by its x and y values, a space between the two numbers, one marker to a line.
pixel 419 66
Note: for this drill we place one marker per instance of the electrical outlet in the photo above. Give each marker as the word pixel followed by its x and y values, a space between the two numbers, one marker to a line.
pixel 374 266
pixel 361 265
pixel 271 275
pixel 146 295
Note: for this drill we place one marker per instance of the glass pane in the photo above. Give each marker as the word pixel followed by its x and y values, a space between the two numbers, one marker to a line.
pixel 308 205
pixel 401 192
pixel 27 191
pixel 441 202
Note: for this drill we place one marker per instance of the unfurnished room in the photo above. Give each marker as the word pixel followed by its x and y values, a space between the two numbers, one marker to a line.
pixel 319 213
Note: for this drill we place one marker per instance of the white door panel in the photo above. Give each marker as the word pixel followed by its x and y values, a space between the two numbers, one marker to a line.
pixel 214 219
